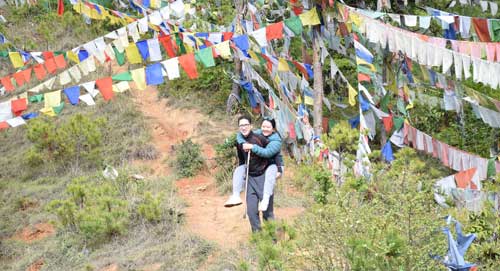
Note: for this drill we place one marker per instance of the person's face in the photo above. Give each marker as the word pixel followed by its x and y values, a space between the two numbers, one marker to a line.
pixel 267 128
pixel 244 126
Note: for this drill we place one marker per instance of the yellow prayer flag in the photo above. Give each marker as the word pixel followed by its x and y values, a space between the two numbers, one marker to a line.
pixel 139 77
pixel 223 49
pixel 16 59
pixel 361 61
pixel 309 18
pixel 298 100
pixel 352 95
pixel 253 55
pixel 52 99
pixel 72 56
pixel 308 100
pixel 48 111
pixel 355 18
pixel 277 80
pixel 133 54
pixel 283 65
pixel 409 106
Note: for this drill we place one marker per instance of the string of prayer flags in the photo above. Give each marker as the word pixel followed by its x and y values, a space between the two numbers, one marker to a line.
pixel 105 86
pixel 154 74
pixel 188 63
pixel 139 77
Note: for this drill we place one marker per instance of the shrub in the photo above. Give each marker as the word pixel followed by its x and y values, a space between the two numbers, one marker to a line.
pixel 76 141
pixel 150 208
pixel 188 160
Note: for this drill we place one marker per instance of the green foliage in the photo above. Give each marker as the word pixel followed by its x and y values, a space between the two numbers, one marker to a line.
pixel 188 161
pixel 475 136
pixel 274 245
pixel 150 207
pixel 389 224
pixel 324 184
pixel 76 141
pixel 225 159
pixel 92 209
pixel 485 250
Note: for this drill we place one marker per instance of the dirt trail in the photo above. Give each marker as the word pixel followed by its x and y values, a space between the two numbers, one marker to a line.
pixel 205 214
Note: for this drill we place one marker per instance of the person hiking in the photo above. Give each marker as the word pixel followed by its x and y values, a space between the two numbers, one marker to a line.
pixel 256 175
pixel 271 151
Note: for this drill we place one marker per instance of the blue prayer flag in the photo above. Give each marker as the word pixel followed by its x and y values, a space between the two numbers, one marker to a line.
pixel 73 94
pixel 153 74
pixel 142 45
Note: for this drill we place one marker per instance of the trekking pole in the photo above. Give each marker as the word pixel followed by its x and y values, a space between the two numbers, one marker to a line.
pixel 246 184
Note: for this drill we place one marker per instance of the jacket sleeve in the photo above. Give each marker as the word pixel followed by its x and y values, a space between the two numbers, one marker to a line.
pixel 240 139
pixel 241 156
pixel 269 151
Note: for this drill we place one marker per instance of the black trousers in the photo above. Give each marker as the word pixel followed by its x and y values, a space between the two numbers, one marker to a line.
pixel 254 196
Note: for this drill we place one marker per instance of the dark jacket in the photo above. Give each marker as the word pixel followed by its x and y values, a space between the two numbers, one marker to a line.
pixel 258 165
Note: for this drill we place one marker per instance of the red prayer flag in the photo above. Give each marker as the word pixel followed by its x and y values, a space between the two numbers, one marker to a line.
pixel 40 71
pixel 166 41
pixel 188 63
pixel 388 123
pixel 227 36
pixel 7 83
pixel 27 75
pixel 301 68
pixel 60 7
pixel 19 77
pixel 18 106
pixel 60 62
pixel 50 65
pixel 46 55
pixel 481 28
pixel 363 77
pixel 274 31
pixel 3 125
pixel 464 178
pixel 105 86
pixel 291 127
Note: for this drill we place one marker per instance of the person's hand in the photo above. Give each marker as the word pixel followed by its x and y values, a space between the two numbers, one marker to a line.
pixel 278 175
pixel 247 146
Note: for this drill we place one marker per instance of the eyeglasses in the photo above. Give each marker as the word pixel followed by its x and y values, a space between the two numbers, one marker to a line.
pixel 244 125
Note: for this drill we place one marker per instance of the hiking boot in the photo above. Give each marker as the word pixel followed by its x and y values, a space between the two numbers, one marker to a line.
pixel 233 200
pixel 263 204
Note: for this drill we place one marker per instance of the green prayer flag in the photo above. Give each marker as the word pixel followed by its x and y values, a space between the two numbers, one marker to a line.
pixel 120 57
pixel 36 98
pixel 401 107
pixel 205 56
pixel 331 124
pixel 491 171
pixel 58 109
pixel 124 76
pixel 384 103
pixel 365 70
pixel 495 30
pixel 398 123
pixel 4 53
pixel 294 24
pixel 179 43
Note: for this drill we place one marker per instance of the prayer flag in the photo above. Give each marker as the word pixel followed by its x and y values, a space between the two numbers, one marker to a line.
pixel 105 86
pixel 153 74
pixel 16 59
pixel 73 93
pixel 310 17
pixel 188 63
